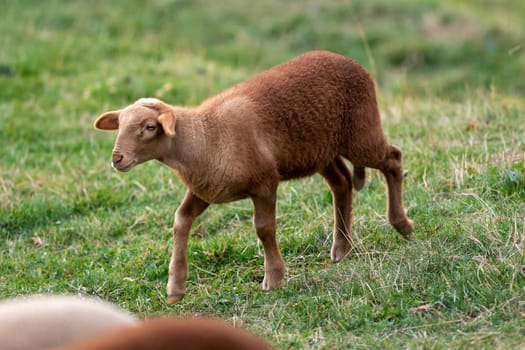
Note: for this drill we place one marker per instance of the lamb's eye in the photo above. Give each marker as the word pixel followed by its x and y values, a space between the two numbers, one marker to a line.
pixel 150 127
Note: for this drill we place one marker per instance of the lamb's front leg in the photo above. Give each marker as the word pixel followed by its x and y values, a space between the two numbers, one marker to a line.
pixel 264 221
pixel 191 207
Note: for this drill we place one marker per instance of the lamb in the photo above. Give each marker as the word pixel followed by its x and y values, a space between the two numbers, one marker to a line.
pixel 172 334
pixel 297 119
pixel 42 322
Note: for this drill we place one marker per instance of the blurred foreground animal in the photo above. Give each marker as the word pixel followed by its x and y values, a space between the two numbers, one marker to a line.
pixel 43 322
pixel 297 119
pixel 173 334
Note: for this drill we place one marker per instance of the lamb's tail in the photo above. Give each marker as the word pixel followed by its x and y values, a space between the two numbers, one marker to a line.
pixel 359 177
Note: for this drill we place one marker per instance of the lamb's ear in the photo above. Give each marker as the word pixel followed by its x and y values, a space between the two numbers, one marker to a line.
pixel 167 119
pixel 107 121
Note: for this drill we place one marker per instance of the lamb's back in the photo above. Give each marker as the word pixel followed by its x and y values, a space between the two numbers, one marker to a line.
pixel 312 108
pixel 305 111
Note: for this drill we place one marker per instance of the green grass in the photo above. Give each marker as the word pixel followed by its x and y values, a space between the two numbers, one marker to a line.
pixel 451 87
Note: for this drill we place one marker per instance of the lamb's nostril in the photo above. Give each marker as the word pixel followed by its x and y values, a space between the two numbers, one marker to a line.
pixel 117 158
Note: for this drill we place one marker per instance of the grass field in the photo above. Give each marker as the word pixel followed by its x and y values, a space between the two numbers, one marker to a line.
pixel 451 86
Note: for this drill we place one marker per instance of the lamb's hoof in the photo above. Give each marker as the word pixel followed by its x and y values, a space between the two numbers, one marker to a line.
pixel 338 253
pixel 338 257
pixel 268 287
pixel 269 284
pixel 173 298
pixel 404 228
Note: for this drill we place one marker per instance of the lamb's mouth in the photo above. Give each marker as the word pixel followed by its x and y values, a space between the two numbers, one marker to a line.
pixel 126 167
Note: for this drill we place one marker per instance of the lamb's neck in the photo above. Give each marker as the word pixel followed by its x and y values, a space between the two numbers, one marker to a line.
pixel 188 147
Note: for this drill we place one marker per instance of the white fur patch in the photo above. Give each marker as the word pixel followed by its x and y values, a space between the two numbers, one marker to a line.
pixel 148 100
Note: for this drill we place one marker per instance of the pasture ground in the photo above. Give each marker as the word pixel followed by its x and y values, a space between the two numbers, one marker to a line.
pixel 450 82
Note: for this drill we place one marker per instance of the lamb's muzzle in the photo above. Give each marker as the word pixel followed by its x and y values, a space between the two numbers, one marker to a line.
pixel 299 118
pixel 119 163
pixel 116 158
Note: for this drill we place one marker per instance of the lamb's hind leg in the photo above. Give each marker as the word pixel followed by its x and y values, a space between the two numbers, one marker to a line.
pixel 339 179
pixel 359 177
pixel 392 169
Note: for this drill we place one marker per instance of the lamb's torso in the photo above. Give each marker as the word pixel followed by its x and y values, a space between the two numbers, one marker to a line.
pixel 304 110
pixel 292 120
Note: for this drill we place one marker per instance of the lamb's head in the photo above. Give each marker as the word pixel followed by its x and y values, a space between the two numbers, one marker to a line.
pixel 144 131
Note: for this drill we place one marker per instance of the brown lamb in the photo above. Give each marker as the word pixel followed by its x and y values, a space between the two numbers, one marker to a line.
pixel 299 118
pixel 173 334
